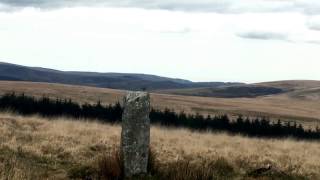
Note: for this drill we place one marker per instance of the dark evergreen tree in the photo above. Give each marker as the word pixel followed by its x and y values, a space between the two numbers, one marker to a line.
pixel 258 127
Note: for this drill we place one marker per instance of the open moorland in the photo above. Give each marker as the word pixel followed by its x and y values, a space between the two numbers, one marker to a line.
pixel 33 147
pixel 300 101
pixel 60 148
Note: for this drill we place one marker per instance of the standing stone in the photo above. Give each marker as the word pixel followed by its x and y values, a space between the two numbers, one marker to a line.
pixel 135 135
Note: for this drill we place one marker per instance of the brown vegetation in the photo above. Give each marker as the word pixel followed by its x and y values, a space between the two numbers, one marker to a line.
pixel 37 148
pixel 302 106
pixel 292 85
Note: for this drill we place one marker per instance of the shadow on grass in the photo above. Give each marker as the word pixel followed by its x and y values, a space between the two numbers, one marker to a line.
pixel 109 167
pixel 20 164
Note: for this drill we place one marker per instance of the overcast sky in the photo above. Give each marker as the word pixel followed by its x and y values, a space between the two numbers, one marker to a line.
pixel 199 40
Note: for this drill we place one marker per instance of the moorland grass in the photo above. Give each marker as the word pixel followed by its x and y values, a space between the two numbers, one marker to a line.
pixel 38 148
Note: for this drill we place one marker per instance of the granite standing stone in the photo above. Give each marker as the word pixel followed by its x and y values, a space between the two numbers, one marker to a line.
pixel 135 135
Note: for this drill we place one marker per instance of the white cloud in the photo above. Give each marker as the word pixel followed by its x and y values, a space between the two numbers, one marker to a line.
pixel 263 35
pixel 313 23
pixel 219 6
pixel 199 46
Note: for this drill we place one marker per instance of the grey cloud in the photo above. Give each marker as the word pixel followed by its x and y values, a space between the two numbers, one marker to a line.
pixel 200 5
pixel 218 6
pixel 188 5
pixel 308 7
pixel 263 35
pixel 313 42
pixel 182 31
pixel 314 25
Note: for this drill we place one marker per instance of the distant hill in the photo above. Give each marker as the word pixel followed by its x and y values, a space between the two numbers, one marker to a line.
pixel 301 105
pixel 12 72
pixel 299 89
pixel 302 89
pixel 235 91
pixel 291 85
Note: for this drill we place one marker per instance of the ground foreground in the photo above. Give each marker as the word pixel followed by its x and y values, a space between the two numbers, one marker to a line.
pixel 37 148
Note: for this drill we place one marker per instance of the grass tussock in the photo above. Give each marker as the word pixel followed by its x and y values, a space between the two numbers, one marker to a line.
pixel 205 170
pixel 37 148
pixel 110 166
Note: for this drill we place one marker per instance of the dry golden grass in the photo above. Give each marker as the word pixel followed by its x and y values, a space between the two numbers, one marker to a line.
pixel 81 94
pixel 284 106
pixel 33 147
pixel 292 84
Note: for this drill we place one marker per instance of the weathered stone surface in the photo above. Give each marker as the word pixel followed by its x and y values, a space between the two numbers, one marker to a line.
pixel 135 135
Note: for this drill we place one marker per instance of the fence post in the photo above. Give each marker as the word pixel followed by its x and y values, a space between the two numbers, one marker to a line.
pixel 135 135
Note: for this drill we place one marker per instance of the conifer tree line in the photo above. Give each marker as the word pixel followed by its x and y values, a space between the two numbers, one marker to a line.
pixel 256 127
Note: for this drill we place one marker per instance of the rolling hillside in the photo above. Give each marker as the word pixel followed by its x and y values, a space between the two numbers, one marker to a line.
pixel 12 72
pixel 284 105
pixel 292 85
pixel 235 91
pixel 303 89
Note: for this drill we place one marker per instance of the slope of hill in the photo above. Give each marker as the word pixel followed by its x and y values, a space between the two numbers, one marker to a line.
pixel 292 85
pixel 235 91
pixel 14 72
pixel 303 90
pixel 282 106
pixel 300 89
pixel 306 94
